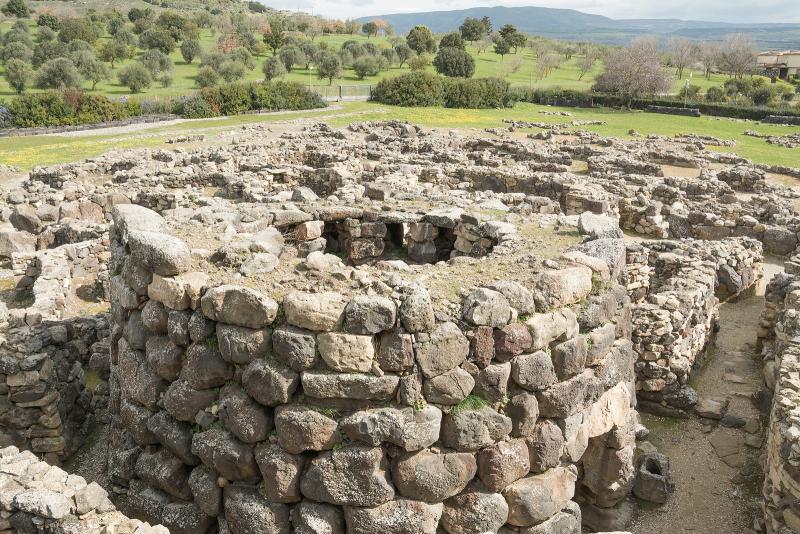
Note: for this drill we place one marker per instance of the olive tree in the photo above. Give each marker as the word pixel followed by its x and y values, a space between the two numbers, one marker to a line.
pixel 273 69
pixel 57 73
pixel 191 49
pixel 136 77
pixel 18 74
pixel 329 66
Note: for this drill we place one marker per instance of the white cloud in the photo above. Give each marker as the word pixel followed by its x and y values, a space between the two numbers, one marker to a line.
pixel 714 10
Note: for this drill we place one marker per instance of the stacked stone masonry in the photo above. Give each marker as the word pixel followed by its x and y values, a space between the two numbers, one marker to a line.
pixel 367 410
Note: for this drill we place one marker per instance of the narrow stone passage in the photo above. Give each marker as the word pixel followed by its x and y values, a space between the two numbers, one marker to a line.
pixel 715 459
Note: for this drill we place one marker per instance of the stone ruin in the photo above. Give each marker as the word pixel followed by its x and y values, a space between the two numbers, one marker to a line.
pixel 376 328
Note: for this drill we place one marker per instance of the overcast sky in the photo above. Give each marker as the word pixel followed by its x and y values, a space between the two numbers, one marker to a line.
pixel 715 10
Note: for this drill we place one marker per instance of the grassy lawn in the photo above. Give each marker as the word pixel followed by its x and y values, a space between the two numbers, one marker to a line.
pixel 519 69
pixel 26 152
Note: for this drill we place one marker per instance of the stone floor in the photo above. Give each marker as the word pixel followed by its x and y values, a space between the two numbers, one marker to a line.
pixel 715 459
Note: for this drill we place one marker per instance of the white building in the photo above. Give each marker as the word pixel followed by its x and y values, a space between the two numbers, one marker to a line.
pixel 781 64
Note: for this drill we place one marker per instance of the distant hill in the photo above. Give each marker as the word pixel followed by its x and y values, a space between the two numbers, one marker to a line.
pixel 574 25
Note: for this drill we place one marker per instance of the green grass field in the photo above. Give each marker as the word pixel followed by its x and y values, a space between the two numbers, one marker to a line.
pixel 519 69
pixel 26 152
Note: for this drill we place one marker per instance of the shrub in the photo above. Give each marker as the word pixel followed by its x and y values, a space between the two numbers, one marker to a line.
pixel 56 73
pixel 715 94
pixel 415 89
pixel 452 40
pixel 691 93
pixel 366 66
pixel 17 50
pixel 17 74
pixel 46 20
pixel 136 77
pixel 206 77
pixel 762 95
pixel 454 62
pixel 195 107
pixel 191 49
pixel 477 94
pixel 82 29
pixel 420 62
pixel 273 68
pixel 58 108
pixel 16 8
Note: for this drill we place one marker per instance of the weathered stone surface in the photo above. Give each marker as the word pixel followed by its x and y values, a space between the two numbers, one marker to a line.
pixel 523 409
pixel 346 352
pixel 449 388
pixel 314 311
pixel 204 367
pixel 315 518
pixel 165 471
pixel 349 386
pixel 518 296
pixel 408 428
pixel 503 463
pixel 536 498
pixel 295 347
pixel 43 503
pixel 241 345
pixel 226 455
pixel 491 383
pixel 281 473
pixel 565 398
pixel 174 435
pixel 349 476
pixel 533 372
pixel 269 382
pixel 445 350
pixel 545 446
pixel 567 521
pixel 206 491
pixel 431 477
pixel 569 357
pixel 485 307
pixel 164 357
pixel 239 306
pixel 301 429
pixel 548 327
pixel 512 340
pixel 367 315
pixel 402 516
pixel 248 512
pixel 162 254
pixel 416 311
pixel 183 402
pixel 185 518
pixel 240 414
pixel 395 352
pixel 598 226
pixel 474 511
pixel 470 430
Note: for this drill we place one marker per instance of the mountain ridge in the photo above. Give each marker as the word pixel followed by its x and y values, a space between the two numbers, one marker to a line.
pixel 571 24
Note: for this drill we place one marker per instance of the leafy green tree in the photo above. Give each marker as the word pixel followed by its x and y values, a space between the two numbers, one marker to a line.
pixel 16 8
pixel 274 36
pixel 452 40
pixel 517 40
pixel 135 77
pixel 136 13
pixel 94 71
pixel 243 56
pixel 232 70
pixel 404 52
pixel 158 39
pixel 487 25
pixel 113 51
pixel 48 50
pixel 421 40
pixel 366 66
pixel 17 50
pixel 206 77
pixel 46 20
pixel 57 73
pixel 454 62
pixel 18 74
pixel 389 56
pixel 420 62
pixel 273 69
pixel 173 22
pixel 472 29
pixel 191 49
pixel 329 66
pixel 311 51
pixel 115 23
pixel 83 29
pixel 126 37
pixel 291 56
pixel 501 47
pixel 370 29
pixel 46 33
pixel 17 36
pixel 156 62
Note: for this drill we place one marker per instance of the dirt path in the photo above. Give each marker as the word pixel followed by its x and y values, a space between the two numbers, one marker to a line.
pixel 716 468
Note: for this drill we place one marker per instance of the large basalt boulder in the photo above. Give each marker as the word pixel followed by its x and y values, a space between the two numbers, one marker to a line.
pixel 281 473
pixel 503 463
pixel 369 314
pixel 206 491
pixel 185 518
pixel 533 372
pixel 474 511
pixel 401 516
pixel 162 254
pixel 301 429
pixel 449 388
pixel 471 430
pixel 346 352
pixel 536 498
pixel 242 345
pixel 350 476
pixel 446 349
pixel 174 435
pixel 408 428
pixel 269 382
pixel 431 477
pixel 416 311
pixel 485 307
pixel 204 367
pixel 222 452
pixel 240 414
pixel 310 517
pixel 320 312
pixel 183 402
pixel 165 471
pixel 353 386
pixel 295 347
pixel 239 306
pixel 248 512
pixel 556 288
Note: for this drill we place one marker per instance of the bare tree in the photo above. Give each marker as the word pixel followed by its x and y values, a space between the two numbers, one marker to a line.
pixel 708 55
pixel 482 45
pixel 588 61
pixel 737 54
pixel 634 71
pixel 546 63
pixel 682 53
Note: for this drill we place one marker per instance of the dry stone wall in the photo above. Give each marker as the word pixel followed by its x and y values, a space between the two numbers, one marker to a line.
pixel 367 411
pixel 676 287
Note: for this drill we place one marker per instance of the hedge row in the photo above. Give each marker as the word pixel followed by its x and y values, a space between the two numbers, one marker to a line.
pixel 69 108
pixel 573 98
pixel 419 89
